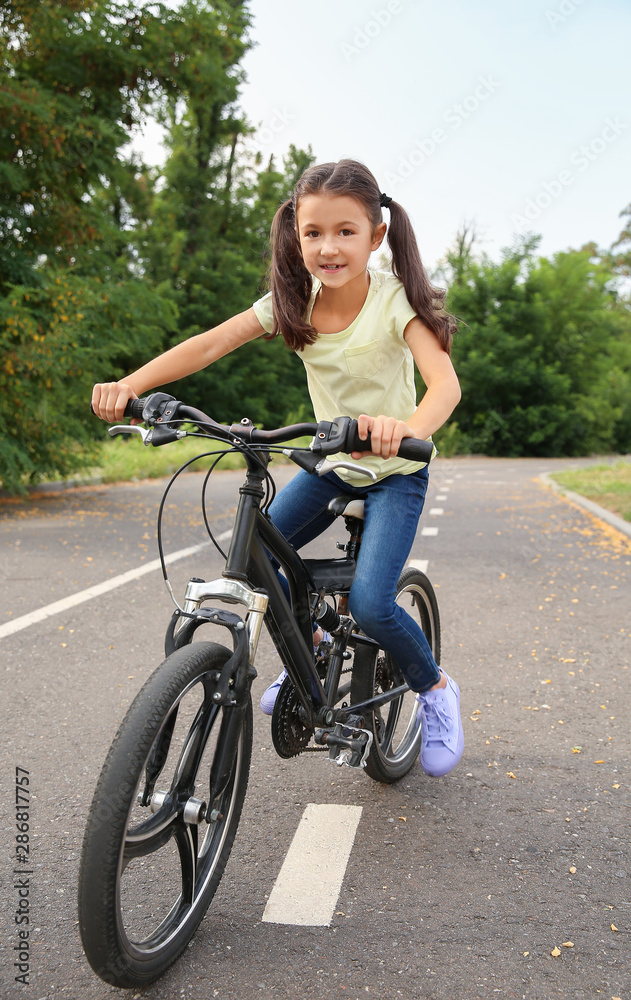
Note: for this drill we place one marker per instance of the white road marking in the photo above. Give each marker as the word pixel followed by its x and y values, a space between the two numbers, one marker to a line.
pixel 436 511
pixel 441 499
pixel 421 564
pixel 309 882
pixel 429 531
pixel 99 589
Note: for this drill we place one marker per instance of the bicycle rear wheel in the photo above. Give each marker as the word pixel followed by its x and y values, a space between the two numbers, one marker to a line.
pixel 396 727
pixel 149 871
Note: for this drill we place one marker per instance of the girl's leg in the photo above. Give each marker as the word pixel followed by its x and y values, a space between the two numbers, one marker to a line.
pixel 392 510
pixel 300 512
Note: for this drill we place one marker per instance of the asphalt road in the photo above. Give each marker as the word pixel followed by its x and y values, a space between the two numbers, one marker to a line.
pixel 460 887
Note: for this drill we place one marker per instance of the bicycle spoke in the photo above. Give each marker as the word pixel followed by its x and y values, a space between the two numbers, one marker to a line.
pixel 158 756
pixel 149 836
pixel 386 742
pixel 186 838
pixel 193 749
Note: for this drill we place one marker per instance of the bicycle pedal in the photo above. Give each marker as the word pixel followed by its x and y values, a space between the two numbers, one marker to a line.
pixel 348 747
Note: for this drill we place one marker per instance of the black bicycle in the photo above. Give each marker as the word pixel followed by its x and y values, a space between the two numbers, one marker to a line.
pixel 168 801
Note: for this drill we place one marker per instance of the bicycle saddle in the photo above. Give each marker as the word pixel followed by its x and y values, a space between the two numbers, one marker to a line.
pixel 347 506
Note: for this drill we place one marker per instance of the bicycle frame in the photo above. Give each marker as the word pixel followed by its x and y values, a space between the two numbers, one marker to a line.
pixel 249 578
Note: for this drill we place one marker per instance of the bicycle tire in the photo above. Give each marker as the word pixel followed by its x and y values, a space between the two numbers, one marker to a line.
pixel 396 727
pixel 136 912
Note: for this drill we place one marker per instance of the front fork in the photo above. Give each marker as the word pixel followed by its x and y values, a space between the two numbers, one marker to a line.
pixel 186 620
pixel 231 684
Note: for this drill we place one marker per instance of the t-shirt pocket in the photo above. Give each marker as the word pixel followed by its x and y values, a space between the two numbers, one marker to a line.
pixel 364 361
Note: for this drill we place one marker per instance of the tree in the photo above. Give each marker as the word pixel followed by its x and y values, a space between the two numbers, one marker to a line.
pixel 204 244
pixel 543 353
pixel 98 253
pixel 53 338
pixel 620 252
pixel 75 77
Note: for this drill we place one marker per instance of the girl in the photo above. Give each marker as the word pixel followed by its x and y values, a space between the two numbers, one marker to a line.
pixel 359 333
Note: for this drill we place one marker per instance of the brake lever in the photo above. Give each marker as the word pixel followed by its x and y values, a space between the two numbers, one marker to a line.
pixel 325 466
pixel 144 432
pixel 156 435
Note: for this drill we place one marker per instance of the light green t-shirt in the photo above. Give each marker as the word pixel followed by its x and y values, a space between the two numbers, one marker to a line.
pixel 367 368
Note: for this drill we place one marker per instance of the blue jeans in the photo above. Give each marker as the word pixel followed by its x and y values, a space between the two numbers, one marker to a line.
pixel 392 510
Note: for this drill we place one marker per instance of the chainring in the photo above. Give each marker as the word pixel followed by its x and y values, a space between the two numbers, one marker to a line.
pixel 290 736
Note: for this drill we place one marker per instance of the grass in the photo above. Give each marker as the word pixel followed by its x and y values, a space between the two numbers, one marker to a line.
pixel 607 485
pixel 125 459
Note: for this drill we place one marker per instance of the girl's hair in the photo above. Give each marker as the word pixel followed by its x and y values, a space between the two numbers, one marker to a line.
pixel 291 282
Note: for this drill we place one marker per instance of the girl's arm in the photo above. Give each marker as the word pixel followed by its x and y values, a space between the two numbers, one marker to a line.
pixel 438 403
pixel 109 399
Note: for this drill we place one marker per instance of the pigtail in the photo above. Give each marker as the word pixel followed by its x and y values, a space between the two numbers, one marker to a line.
pixel 290 281
pixel 426 300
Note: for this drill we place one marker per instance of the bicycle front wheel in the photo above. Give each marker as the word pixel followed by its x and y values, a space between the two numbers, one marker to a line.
pixel 396 726
pixel 152 855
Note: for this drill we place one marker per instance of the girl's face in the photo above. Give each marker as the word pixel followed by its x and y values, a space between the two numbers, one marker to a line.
pixel 336 238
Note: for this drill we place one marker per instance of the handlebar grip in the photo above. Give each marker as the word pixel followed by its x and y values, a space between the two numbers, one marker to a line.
pixel 413 449
pixel 135 408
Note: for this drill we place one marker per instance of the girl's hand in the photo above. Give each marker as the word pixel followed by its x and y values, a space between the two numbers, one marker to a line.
pixel 386 435
pixel 109 400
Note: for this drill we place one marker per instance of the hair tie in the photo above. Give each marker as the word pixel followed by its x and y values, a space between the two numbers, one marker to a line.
pixel 384 201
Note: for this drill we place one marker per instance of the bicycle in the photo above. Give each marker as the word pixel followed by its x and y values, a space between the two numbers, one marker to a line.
pixel 168 801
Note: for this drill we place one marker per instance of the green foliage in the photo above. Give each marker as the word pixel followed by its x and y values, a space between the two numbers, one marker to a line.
pixel 54 342
pixel 74 79
pixel 543 353
pixel 99 255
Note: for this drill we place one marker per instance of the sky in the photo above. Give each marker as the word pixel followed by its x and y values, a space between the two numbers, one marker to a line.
pixel 509 115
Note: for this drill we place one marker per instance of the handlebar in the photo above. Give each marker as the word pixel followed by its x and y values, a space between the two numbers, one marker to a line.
pixel 329 437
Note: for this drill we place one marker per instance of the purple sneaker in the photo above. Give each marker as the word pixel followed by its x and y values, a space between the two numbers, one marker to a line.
pixel 442 741
pixel 268 697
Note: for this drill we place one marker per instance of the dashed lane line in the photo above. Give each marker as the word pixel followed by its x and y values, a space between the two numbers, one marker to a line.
pixel 309 882
pixel 40 614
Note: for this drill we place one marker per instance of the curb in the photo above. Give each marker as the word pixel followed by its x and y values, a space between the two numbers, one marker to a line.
pixel 601 512
pixel 59 486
